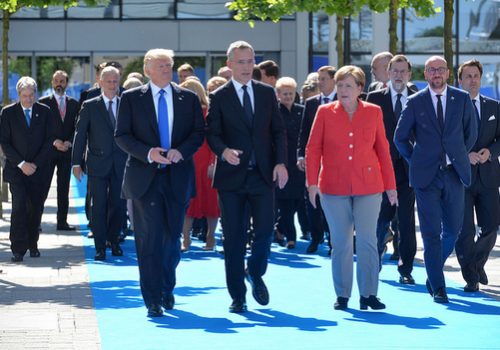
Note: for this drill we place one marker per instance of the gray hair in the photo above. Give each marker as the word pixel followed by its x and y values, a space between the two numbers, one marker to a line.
pixel 25 83
pixel 240 45
pixel 131 83
pixel 108 70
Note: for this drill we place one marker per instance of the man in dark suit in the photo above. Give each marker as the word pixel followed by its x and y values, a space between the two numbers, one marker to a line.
pixel 391 100
pixel 160 126
pixel 246 132
pixel 25 138
pixel 482 194
pixel 380 73
pixel 442 121
pixel 105 163
pixel 326 84
pixel 63 113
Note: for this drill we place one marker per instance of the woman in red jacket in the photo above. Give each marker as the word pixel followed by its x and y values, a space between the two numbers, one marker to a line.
pixel 349 166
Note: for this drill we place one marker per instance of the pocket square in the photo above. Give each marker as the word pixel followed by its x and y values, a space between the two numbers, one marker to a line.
pixel 491 118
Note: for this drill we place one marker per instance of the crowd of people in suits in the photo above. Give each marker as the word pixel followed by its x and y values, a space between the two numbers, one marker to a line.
pixel 252 151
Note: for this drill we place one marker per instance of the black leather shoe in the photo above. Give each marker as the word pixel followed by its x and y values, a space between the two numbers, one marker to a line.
pixel 341 303
pixel 313 247
pixel 372 301
pixel 394 257
pixel 116 250
pixel 471 287
pixel 440 296
pixel 65 227
pixel 121 237
pixel 259 289
pixel 168 302
pixel 154 310
pixel 483 278
pixel 34 253
pixel 16 258
pixel 100 255
pixel 238 306
pixel 406 279
pixel 429 287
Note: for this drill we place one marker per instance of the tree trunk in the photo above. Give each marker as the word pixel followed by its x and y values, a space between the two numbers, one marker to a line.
pixel 448 37
pixel 339 39
pixel 5 56
pixel 393 26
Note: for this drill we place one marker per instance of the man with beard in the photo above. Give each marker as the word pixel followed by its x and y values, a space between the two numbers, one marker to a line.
pixel 435 133
pixel 63 112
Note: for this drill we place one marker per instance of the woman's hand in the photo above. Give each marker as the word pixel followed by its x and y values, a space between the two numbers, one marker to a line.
pixel 393 197
pixel 313 192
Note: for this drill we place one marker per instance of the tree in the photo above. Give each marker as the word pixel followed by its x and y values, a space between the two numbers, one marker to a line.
pixel 249 10
pixel 448 37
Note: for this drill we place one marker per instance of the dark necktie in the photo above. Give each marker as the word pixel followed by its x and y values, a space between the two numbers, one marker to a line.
pixel 163 126
pixel 478 116
pixel 110 112
pixel 440 115
pixel 325 100
pixel 398 107
pixel 27 116
pixel 247 104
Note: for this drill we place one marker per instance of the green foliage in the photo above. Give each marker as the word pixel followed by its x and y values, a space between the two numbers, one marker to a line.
pixel 20 65
pixel 437 31
pixel 47 66
pixel 14 5
pixel 135 65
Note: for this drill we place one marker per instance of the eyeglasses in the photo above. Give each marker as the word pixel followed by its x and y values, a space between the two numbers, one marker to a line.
pixel 432 70
pixel 396 72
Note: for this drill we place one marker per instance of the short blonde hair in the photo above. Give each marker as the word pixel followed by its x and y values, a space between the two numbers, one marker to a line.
pixel 196 87
pixel 215 82
pixel 25 83
pixel 131 83
pixel 156 54
pixel 286 82
pixel 186 67
pixel 351 71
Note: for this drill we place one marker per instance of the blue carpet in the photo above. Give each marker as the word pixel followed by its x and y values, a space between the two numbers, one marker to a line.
pixel 300 314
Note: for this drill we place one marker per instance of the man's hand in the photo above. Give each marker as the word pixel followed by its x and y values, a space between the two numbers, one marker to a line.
pixel 78 172
pixel 474 158
pixel 60 145
pixel 484 155
pixel 67 144
pixel 280 175
pixel 232 156
pixel 313 191
pixel 301 164
pixel 159 155
pixel 393 197
pixel 174 156
pixel 28 169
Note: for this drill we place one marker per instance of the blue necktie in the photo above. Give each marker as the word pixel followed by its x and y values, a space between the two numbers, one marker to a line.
pixel 163 121
pixel 27 116
pixel 477 113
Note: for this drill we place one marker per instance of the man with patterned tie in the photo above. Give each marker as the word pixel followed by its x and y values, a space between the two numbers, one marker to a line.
pixel 160 126
pixel 326 83
pixel 63 112
pixel 482 195
pixel 391 100
pixel 25 138
pixel 435 133
pixel 247 133
pixel 105 163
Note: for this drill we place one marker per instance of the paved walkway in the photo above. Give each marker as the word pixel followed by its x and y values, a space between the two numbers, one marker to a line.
pixel 46 303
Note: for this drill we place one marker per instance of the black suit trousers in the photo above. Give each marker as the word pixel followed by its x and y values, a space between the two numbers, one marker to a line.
pixel 258 197
pixel 108 208
pixel 61 160
pixel 158 221
pixel 472 252
pixel 317 221
pixel 407 242
pixel 287 207
pixel 27 203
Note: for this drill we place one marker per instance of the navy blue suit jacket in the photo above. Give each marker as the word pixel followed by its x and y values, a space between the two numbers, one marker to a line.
pixel 419 119
pixel 137 132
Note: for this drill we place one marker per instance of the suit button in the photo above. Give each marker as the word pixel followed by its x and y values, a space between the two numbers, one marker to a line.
pixel 351 134
pixel 350 158
pixel 351 146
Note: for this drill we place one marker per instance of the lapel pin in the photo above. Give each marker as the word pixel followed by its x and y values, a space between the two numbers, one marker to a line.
pixel 452 98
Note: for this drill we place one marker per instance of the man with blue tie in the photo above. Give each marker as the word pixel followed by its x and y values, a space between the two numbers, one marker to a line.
pixel 441 120
pixel 105 163
pixel 160 126
pixel 25 136
pixel 482 195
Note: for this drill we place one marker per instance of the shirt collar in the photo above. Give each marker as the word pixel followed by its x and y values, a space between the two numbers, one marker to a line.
pixel 155 89
pixel 238 86
pixel 106 100
pixel 330 96
pixel 394 93
pixel 443 94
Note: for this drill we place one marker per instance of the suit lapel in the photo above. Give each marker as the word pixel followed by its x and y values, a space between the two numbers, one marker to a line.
pixel 177 98
pixel 483 114
pixel 101 106
pixel 146 97
pixel 450 108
